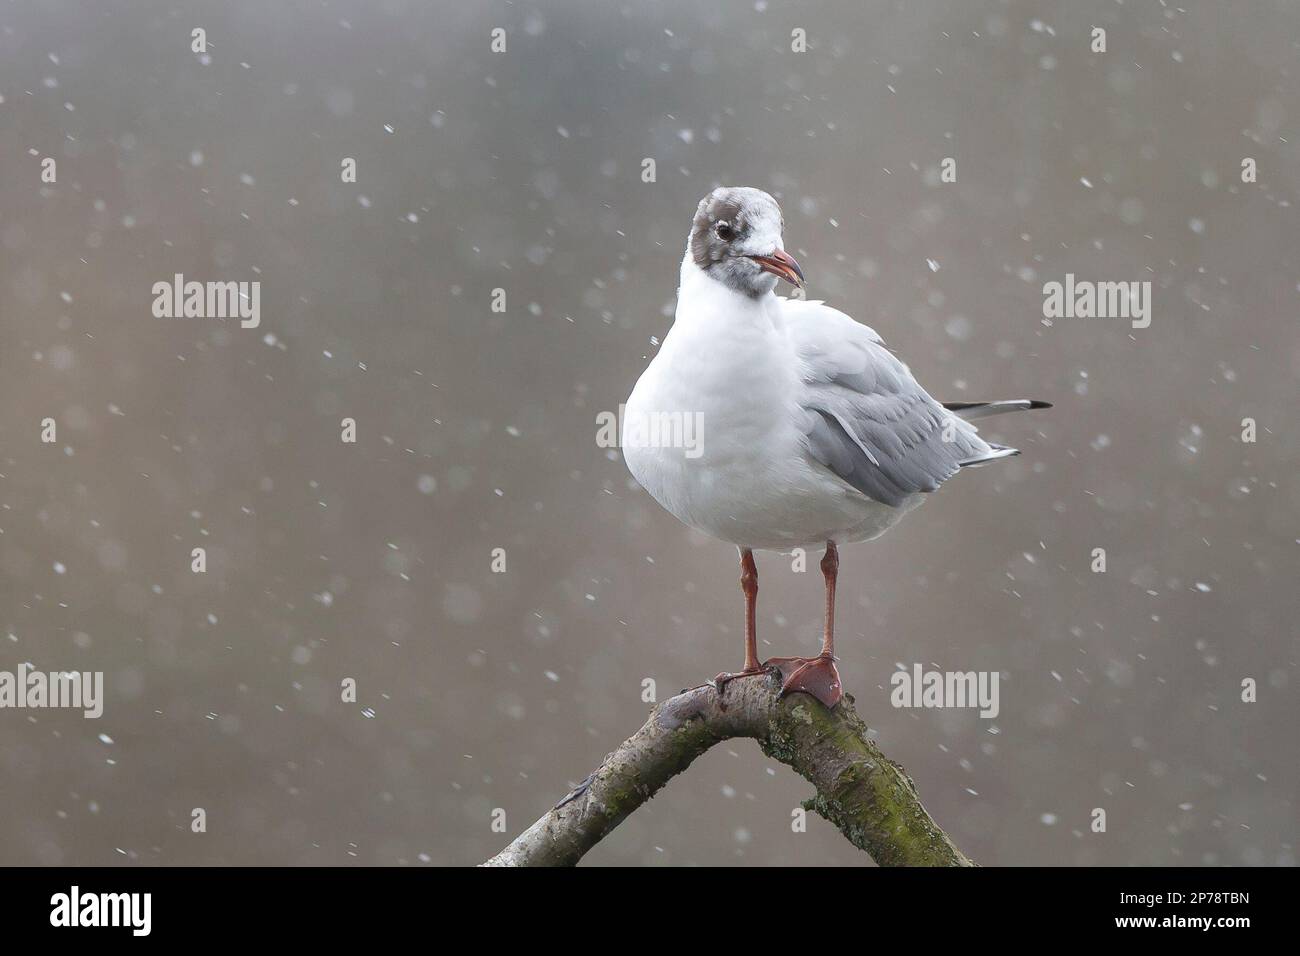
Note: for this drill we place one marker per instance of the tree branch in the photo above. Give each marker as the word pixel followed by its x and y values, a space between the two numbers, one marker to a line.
pixel 864 793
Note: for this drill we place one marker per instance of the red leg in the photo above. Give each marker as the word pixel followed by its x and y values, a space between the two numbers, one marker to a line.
pixel 748 584
pixel 831 572
pixel 817 675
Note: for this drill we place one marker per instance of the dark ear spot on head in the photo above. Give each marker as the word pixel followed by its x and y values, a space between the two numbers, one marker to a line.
pixel 706 247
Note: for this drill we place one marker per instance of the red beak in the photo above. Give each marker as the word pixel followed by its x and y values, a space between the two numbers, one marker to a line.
pixel 782 265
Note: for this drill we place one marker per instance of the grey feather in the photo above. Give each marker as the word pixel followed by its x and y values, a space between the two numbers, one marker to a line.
pixel 999 452
pixel 867 419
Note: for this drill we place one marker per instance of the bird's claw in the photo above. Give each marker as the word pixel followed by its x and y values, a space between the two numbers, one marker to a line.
pixel 812 675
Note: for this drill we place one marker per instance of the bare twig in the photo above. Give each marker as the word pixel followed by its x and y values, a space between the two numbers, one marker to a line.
pixel 864 793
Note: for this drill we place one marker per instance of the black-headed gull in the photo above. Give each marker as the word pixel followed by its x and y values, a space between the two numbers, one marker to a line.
pixel 807 430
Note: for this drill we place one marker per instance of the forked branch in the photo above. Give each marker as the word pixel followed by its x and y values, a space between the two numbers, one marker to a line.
pixel 864 793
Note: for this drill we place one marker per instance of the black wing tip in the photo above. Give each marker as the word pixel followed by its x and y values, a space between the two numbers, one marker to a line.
pixel 1029 403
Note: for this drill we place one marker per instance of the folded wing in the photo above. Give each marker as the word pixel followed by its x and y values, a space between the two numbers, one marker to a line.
pixel 866 418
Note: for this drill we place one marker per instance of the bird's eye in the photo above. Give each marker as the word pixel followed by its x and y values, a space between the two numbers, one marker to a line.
pixel 724 231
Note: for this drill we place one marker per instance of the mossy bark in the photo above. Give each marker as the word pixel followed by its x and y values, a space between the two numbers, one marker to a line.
pixel 869 797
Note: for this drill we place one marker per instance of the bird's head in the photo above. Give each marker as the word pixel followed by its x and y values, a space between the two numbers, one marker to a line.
pixel 736 240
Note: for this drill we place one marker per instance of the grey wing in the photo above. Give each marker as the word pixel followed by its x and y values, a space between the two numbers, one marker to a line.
pixel 869 421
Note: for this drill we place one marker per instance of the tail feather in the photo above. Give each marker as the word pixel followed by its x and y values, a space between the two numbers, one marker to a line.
pixel 973 410
pixel 998 452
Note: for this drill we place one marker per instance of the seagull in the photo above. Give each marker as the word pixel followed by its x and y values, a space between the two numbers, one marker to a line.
pixel 807 431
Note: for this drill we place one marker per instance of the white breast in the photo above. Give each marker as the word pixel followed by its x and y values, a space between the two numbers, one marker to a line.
pixel 711 430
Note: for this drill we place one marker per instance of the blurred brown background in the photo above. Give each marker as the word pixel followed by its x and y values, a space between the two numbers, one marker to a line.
pixel 477 430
